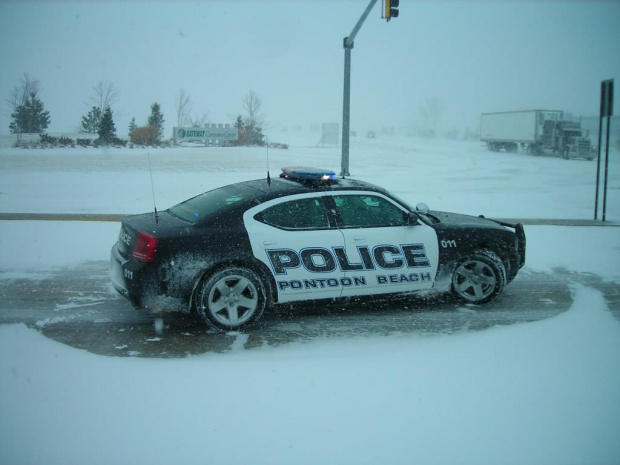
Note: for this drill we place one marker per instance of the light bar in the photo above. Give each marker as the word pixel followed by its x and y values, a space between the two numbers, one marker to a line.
pixel 304 173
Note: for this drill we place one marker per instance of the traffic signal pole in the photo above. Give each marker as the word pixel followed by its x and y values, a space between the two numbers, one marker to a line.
pixel 346 103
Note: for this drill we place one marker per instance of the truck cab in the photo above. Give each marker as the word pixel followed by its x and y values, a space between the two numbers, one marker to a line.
pixel 565 139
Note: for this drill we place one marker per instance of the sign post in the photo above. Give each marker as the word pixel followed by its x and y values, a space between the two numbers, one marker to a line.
pixel 607 110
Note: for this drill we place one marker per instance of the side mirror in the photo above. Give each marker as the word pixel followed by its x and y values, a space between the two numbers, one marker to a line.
pixel 422 208
pixel 413 218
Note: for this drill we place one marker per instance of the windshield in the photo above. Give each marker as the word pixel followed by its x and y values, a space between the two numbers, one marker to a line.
pixel 404 203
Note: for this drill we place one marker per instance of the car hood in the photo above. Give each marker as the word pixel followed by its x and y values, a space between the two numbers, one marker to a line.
pixel 458 220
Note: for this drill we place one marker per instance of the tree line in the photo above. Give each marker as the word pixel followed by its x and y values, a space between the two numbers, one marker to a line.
pixel 30 117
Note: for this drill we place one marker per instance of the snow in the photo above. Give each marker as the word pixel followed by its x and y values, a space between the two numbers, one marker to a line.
pixel 542 392
pixel 447 175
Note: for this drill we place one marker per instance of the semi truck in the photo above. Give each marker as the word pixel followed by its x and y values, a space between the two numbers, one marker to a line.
pixel 535 131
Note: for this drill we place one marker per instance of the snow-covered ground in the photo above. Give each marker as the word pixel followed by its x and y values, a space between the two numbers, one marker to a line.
pixel 447 175
pixel 543 392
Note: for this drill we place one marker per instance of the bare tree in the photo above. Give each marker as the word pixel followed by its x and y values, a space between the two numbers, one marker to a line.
pixel 184 106
pixel 252 105
pixel 431 113
pixel 20 93
pixel 251 128
pixel 104 95
pixel 198 121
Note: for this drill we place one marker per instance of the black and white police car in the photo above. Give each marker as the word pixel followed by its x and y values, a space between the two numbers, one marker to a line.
pixel 232 252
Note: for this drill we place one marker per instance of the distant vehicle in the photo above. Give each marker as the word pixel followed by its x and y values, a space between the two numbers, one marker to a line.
pixel 231 252
pixel 537 131
pixel 371 135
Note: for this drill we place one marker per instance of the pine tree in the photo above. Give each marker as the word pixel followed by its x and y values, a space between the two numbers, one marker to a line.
pixel 240 125
pixel 107 131
pixel 30 117
pixel 132 126
pixel 90 122
pixel 156 119
pixel 254 134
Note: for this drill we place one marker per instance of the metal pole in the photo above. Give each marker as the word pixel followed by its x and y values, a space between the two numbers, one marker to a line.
pixel 607 110
pixel 351 38
pixel 598 165
pixel 606 169
pixel 346 110
pixel 346 99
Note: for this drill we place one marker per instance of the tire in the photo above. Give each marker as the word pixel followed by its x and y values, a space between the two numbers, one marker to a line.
pixel 231 298
pixel 479 278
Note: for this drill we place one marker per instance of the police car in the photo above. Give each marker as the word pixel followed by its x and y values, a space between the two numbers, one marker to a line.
pixel 232 252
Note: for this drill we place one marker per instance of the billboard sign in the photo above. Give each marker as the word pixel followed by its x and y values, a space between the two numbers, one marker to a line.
pixel 210 132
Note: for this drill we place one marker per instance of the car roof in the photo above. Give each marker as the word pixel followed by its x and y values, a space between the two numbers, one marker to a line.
pixel 279 187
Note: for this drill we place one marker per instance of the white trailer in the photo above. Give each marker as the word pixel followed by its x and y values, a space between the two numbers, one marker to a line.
pixel 536 131
pixel 507 130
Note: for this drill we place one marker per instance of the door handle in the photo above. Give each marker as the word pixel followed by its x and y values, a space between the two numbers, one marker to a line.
pixel 359 238
pixel 268 243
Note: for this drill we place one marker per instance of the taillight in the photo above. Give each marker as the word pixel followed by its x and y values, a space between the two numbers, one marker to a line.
pixel 145 248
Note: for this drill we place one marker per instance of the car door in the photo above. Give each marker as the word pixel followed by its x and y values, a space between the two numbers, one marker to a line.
pixel 295 237
pixel 383 252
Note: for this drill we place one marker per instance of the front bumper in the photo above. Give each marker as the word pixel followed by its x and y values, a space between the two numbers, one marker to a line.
pixel 516 256
pixel 521 243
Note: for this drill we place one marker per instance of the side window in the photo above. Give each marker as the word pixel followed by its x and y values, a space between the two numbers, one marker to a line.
pixel 296 214
pixel 367 211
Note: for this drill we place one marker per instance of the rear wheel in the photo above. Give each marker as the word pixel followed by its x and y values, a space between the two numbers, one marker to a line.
pixel 231 298
pixel 479 278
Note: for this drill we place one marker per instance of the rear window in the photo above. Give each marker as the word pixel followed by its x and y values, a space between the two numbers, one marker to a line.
pixel 211 203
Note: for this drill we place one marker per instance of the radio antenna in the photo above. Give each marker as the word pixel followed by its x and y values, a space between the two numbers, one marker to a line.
pixel 268 176
pixel 152 187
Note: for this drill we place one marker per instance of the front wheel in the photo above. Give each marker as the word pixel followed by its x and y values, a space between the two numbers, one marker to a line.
pixel 479 278
pixel 231 298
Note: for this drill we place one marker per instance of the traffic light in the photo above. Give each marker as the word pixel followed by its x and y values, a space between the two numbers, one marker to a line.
pixel 391 9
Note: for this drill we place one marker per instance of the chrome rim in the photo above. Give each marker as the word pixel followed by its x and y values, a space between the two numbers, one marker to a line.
pixel 232 300
pixel 474 280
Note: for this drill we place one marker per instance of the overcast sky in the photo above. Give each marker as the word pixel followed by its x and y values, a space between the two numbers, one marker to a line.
pixel 475 56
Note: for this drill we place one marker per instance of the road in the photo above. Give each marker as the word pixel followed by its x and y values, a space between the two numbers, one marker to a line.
pixel 79 307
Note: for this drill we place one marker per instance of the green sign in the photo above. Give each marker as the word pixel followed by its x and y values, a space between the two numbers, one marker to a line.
pixel 213 132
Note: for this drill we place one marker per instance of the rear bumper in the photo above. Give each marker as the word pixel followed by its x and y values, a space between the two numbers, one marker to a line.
pixel 118 275
pixel 141 284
